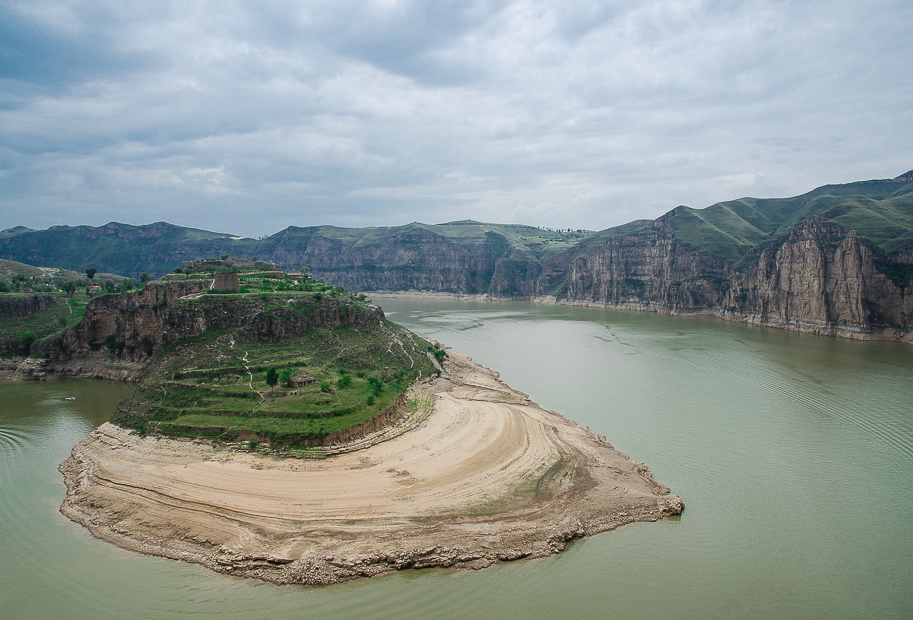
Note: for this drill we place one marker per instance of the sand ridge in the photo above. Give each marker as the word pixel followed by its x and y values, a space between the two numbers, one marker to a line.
pixel 488 476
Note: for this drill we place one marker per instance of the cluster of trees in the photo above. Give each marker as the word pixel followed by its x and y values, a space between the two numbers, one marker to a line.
pixel 20 283
pixel 23 284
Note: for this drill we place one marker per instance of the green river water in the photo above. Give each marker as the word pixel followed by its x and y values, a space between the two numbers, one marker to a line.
pixel 793 454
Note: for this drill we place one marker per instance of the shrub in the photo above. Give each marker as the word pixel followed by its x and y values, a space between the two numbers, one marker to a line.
pixel 272 376
pixel 28 338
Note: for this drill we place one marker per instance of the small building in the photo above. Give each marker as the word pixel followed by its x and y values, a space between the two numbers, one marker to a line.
pixel 227 282
pixel 301 381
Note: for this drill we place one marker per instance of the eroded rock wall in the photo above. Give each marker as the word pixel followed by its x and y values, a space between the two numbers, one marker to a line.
pixel 821 278
pixel 822 275
pixel 128 328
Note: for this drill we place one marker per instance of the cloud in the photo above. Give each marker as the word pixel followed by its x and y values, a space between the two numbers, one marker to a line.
pixel 252 116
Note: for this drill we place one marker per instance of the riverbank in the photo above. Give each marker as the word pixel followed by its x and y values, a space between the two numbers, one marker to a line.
pixel 832 330
pixel 488 476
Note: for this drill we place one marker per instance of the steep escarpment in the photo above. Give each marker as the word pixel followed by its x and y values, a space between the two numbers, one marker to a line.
pixel 648 268
pixel 823 276
pixel 25 305
pixel 412 259
pixel 129 327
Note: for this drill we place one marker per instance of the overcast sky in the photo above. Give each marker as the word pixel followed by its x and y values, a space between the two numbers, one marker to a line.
pixel 247 117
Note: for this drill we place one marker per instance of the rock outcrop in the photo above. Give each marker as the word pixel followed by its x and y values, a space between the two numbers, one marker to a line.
pixel 25 305
pixel 821 278
pixel 119 333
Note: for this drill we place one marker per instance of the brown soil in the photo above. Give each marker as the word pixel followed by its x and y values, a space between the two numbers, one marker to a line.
pixel 488 476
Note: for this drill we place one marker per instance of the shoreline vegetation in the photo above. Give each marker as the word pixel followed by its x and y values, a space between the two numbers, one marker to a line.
pixel 485 476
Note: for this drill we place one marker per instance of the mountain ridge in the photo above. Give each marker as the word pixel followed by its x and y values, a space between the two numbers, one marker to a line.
pixel 714 259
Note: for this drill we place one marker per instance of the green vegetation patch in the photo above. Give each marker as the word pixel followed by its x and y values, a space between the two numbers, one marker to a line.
pixel 294 390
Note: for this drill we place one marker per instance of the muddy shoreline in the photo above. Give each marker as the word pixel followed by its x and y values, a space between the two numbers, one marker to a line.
pixel 488 476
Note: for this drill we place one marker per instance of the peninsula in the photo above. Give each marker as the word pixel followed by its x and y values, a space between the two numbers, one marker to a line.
pixel 284 429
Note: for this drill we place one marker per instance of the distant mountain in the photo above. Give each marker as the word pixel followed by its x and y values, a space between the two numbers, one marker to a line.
pixel 838 258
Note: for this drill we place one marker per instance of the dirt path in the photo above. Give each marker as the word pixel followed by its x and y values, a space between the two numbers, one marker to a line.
pixel 488 476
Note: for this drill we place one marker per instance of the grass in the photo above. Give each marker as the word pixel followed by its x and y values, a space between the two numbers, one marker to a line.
pixel 65 312
pixel 214 385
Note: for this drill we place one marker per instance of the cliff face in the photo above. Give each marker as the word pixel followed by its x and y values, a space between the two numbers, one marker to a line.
pixel 25 305
pixel 128 328
pixel 648 269
pixel 416 259
pixel 821 278
pixel 822 275
pixel 131 326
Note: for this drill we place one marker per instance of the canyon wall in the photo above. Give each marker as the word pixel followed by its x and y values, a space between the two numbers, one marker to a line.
pixel 821 278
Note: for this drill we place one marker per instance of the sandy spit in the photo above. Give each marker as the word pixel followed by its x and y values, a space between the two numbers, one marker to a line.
pixel 489 476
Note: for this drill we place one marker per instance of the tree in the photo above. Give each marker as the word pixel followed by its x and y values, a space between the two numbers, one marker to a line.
pixel 272 377
pixel 26 341
pixel 224 257
pixel 69 288
pixel 90 272
pixel 144 278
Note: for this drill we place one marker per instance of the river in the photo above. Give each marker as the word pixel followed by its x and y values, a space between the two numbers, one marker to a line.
pixel 793 454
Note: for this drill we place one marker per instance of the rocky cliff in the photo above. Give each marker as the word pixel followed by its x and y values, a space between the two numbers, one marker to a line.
pixel 128 328
pixel 25 305
pixel 820 278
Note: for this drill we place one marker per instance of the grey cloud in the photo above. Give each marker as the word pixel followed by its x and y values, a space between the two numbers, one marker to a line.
pixel 257 116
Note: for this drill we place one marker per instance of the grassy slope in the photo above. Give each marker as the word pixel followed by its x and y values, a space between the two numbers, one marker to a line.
pixel 880 211
pixel 44 322
pixel 470 236
pixel 205 387
pixel 215 384
pixel 133 250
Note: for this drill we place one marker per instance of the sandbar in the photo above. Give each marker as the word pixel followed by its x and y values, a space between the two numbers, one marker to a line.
pixel 488 476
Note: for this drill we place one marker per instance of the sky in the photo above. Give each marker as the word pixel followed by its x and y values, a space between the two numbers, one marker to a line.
pixel 248 117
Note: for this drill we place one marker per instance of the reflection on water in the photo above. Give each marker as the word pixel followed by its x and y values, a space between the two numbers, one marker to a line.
pixel 793 453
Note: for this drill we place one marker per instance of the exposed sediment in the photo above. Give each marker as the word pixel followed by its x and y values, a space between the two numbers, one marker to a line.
pixel 489 476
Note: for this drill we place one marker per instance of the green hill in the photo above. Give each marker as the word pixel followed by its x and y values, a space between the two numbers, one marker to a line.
pixel 880 211
pixel 491 257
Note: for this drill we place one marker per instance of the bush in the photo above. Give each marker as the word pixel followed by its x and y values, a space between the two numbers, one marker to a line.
pixel 28 338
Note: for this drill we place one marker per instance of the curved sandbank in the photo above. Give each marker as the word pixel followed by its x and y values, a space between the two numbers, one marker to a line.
pixel 488 476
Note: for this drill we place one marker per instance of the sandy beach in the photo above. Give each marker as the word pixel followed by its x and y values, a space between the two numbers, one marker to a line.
pixel 488 476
